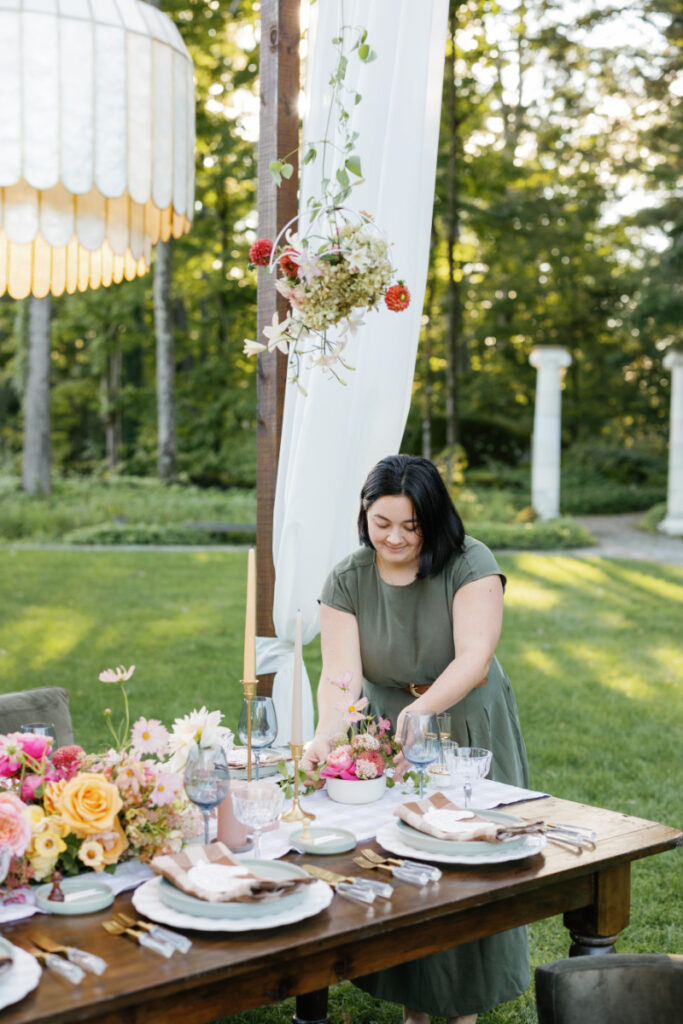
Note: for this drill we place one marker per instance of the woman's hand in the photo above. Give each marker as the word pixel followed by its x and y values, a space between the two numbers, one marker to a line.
pixel 316 751
pixel 401 766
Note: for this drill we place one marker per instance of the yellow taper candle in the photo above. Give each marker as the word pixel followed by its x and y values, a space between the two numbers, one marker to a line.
pixel 296 682
pixel 249 675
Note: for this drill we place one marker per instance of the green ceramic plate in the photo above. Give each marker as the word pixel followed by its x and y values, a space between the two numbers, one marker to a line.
pixel 83 895
pixel 422 841
pixel 272 869
pixel 323 840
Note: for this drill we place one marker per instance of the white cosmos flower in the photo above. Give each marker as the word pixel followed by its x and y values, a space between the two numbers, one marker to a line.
pixel 199 727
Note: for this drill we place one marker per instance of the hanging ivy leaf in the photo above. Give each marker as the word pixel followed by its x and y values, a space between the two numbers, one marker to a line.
pixel 352 164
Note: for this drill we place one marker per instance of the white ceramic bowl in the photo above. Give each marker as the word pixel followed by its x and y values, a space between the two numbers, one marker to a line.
pixel 356 791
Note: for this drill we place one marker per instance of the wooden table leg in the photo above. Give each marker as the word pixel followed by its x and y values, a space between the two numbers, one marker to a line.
pixel 594 929
pixel 311 1008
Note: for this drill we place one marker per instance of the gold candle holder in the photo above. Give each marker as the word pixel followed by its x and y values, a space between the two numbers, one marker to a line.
pixel 249 687
pixel 296 813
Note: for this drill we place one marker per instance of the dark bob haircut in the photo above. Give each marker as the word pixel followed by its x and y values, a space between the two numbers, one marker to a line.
pixel 443 533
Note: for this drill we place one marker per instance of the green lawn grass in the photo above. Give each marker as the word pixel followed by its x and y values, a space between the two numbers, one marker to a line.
pixel 593 648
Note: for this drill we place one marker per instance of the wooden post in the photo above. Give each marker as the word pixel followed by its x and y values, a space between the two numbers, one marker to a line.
pixel 278 137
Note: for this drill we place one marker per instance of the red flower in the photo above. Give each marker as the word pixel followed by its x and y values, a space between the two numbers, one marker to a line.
pixel 290 268
pixel 66 760
pixel 397 297
pixel 260 252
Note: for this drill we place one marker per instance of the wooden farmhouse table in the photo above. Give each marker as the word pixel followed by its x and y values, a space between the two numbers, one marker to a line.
pixel 225 974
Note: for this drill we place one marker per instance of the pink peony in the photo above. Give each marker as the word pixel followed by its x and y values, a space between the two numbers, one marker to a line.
pixel 67 760
pixel 15 827
pixel 339 761
pixel 370 764
pixel 29 787
pixel 36 747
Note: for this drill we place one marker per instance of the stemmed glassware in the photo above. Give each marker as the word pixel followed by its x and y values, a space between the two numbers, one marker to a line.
pixel 263 727
pixel 258 805
pixel 468 764
pixel 207 780
pixel 419 741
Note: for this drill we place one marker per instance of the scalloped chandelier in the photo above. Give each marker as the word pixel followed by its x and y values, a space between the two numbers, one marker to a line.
pixel 96 142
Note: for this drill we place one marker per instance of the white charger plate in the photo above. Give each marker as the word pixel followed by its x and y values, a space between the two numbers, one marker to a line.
pixel 392 839
pixel 275 871
pixel 22 977
pixel 147 901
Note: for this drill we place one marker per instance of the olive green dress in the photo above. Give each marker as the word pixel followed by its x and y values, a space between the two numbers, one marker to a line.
pixel 406 636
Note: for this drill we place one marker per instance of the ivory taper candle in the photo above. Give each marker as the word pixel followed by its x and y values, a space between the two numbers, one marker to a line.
pixel 249 675
pixel 296 682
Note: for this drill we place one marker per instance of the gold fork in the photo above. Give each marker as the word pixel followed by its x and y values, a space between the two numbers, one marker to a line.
pixel 62 968
pixel 180 942
pixel 90 962
pixel 376 858
pixel 417 876
pixel 115 928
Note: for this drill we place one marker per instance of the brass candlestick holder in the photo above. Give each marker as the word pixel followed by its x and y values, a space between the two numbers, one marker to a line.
pixel 296 813
pixel 249 687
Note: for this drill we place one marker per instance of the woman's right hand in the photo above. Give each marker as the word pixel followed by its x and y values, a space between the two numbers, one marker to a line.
pixel 316 751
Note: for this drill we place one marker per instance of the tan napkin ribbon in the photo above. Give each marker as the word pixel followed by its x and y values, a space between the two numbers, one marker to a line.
pixel 470 829
pixel 246 888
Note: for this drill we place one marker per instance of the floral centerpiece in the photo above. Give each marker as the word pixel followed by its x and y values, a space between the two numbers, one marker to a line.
pixel 71 810
pixel 361 754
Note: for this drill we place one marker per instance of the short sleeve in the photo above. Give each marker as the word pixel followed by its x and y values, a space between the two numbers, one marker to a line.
pixel 339 590
pixel 475 562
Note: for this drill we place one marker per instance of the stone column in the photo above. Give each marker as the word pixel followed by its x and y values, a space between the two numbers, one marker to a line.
pixel 550 361
pixel 673 522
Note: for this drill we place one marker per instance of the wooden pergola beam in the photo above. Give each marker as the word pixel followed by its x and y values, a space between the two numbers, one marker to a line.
pixel 278 137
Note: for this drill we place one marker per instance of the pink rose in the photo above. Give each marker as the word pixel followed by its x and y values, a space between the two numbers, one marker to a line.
pixel 15 828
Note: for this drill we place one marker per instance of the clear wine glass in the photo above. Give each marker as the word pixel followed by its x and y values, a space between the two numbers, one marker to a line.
pixel 263 727
pixel 419 741
pixel 207 780
pixel 467 764
pixel 258 805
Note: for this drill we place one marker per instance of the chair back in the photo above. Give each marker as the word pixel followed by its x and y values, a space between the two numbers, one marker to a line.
pixel 44 704
pixel 616 988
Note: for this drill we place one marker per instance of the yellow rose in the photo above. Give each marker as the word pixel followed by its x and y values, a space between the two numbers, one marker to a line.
pixel 92 854
pixel 88 804
pixel 53 791
pixel 113 843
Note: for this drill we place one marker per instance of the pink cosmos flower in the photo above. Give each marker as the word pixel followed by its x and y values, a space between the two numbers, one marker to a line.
pixel 130 775
pixel 15 827
pixel 167 788
pixel 116 675
pixel 344 681
pixel 352 712
pixel 150 736
pixel 66 760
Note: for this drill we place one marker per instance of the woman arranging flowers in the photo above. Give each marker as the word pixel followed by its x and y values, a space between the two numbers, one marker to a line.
pixel 415 615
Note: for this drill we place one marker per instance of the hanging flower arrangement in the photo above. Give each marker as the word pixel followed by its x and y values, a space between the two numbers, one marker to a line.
pixel 340 268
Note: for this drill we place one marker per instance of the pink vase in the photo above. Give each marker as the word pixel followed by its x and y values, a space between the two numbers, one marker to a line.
pixel 231 831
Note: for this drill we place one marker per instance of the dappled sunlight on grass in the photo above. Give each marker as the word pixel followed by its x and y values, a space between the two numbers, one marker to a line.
pixel 530 594
pixel 635 577
pixel 541 660
pixel 39 634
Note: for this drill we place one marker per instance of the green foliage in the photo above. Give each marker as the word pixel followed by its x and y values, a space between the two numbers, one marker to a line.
pixel 77 504
pixel 554 534
pixel 153 533
pixel 652 518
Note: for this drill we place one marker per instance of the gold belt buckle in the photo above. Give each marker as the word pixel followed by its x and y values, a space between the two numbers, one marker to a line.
pixel 414 691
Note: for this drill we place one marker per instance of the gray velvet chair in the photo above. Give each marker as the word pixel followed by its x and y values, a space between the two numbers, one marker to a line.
pixel 45 704
pixel 616 988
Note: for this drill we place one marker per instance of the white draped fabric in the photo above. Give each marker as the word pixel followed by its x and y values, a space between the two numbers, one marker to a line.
pixel 332 436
